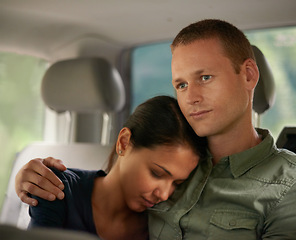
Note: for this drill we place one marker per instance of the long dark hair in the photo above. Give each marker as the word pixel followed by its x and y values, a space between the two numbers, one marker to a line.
pixel 159 121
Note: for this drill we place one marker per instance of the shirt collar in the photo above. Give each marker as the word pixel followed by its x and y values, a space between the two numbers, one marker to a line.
pixel 243 161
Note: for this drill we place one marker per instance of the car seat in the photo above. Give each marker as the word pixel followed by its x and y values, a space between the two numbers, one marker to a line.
pixel 63 89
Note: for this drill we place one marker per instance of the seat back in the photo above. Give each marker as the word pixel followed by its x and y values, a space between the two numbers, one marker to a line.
pixel 76 155
pixel 287 139
pixel 64 88
pixel 8 232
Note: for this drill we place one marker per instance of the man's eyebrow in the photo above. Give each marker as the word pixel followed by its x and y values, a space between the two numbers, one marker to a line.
pixel 164 169
pixel 196 73
pixel 177 80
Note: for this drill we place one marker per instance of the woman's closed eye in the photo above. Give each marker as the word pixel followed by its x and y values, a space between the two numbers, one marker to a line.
pixel 178 182
pixel 155 173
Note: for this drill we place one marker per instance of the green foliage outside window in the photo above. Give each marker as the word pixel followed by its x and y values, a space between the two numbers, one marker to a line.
pixel 279 48
pixel 21 109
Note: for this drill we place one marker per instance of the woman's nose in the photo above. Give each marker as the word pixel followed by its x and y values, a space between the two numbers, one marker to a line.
pixel 164 192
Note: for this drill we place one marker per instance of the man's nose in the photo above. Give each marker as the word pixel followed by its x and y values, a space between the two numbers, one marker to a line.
pixel 193 94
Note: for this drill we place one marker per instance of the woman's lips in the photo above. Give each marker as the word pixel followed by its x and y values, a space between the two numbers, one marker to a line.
pixel 148 203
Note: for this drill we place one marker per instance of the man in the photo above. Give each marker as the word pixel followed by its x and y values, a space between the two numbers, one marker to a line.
pixel 246 188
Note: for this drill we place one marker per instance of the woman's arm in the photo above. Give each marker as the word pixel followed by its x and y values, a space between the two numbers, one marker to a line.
pixel 47 213
pixel 37 179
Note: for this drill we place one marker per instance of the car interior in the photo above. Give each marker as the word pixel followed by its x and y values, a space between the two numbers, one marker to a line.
pixel 88 86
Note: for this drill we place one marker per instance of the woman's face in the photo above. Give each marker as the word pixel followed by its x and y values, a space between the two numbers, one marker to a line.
pixel 149 176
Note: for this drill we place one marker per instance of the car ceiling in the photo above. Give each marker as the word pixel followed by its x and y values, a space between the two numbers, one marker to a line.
pixel 56 29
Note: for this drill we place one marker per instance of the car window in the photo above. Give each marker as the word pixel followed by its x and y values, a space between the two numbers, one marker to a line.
pixel 151 73
pixel 279 47
pixel 21 108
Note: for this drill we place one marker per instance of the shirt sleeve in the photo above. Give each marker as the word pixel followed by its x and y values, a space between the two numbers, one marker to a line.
pixel 280 223
pixel 47 214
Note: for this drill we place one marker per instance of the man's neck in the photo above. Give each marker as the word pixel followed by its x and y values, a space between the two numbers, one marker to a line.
pixel 232 142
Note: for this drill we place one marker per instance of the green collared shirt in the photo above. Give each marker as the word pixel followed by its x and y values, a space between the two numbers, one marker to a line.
pixel 249 195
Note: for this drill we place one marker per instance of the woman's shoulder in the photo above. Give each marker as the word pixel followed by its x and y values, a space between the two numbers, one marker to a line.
pixel 77 181
pixel 75 174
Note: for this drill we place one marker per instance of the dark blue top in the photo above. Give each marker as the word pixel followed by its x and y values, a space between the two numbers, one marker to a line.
pixel 74 212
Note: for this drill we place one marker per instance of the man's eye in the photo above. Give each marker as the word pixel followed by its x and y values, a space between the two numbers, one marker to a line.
pixel 181 85
pixel 206 77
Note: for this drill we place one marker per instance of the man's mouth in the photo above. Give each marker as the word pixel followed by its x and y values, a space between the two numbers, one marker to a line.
pixel 199 114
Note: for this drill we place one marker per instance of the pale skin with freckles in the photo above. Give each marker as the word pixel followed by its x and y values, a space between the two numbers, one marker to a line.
pixel 139 179
pixel 216 101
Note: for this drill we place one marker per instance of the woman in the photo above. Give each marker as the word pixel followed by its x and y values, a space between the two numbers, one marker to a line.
pixel 155 151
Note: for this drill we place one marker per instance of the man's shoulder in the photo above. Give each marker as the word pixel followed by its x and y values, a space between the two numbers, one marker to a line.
pixel 286 155
pixel 278 167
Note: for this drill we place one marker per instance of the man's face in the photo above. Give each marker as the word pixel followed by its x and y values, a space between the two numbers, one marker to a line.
pixel 212 97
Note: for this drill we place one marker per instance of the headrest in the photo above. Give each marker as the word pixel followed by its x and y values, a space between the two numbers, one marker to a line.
pixel 264 94
pixel 287 139
pixel 83 85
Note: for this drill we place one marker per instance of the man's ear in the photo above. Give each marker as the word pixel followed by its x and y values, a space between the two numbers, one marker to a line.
pixel 123 140
pixel 252 73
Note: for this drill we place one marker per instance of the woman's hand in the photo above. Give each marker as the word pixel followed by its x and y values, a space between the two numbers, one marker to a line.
pixel 37 179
